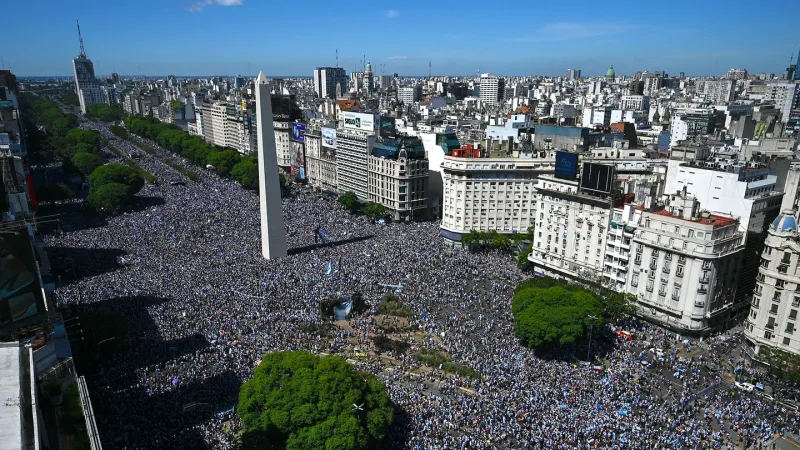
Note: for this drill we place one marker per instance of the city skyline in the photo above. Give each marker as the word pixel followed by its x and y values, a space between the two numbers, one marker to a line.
pixel 224 37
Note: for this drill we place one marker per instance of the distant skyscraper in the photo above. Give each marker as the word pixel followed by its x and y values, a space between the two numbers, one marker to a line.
pixel 86 85
pixel 492 89
pixel 796 72
pixel 573 74
pixel 273 234
pixel 327 78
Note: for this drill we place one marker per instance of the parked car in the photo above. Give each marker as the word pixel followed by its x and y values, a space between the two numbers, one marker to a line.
pixel 747 387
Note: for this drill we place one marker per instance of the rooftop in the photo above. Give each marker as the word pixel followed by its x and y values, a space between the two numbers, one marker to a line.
pixel 10 386
pixel 713 219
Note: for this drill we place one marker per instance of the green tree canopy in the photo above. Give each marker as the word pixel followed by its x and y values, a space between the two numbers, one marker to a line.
pixel 551 315
pixel 374 211
pixel 118 131
pixel 63 125
pixel 91 138
pixel 350 201
pixel 86 162
pixel 106 113
pixel 299 401
pixel 117 173
pixel 69 97
pixel 224 161
pixel 108 198
pixel 246 173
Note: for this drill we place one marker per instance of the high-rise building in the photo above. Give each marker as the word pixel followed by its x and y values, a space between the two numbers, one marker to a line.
pixel 722 91
pixel 398 176
pixel 573 74
pixel 737 74
pixel 86 85
pixel 786 97
pixel 492 89
pixel 326 79
pixel 409 94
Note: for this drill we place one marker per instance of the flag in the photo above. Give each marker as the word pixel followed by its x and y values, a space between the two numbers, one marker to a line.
pixel 329 270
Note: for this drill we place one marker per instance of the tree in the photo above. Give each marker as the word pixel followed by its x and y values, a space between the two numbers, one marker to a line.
pixel 86 162
pixel 224 161
pixel 89 137
pixel 618 305
pixel 118 131
pixel 374 210
pixel 554 315
pixel 108 198
pixel 656 117
pixel 69 97
pixel 106 113
pixel 522 260
pixel 297 400
pixel 63 125
pixel 667 115
pixel 117 173
pixel 246 173
pixel 350 201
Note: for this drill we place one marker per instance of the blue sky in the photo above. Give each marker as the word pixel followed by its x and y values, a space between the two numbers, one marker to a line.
pixel 228 37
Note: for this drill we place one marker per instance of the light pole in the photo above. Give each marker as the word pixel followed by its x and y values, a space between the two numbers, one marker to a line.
pixel 591 328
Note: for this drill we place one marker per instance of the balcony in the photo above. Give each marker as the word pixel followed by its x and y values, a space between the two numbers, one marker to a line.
pixel 702 291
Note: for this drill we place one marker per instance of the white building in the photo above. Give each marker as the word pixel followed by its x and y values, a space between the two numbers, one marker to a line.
pixel 786 97
pixel 408 95
pixel 321 158
pixel 719 91
pixel 772 323
pixel 492 89
pixel 569 240
pixel 749 193
pixel 486 194
pixel 354 141
pixel 283 143
pixel 600 115
pixel 635 102
pixel 685 265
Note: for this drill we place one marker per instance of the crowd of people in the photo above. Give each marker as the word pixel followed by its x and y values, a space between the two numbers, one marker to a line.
pixel 204 306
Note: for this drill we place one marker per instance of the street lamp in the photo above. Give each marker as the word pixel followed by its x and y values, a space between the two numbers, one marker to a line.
pixel 591 328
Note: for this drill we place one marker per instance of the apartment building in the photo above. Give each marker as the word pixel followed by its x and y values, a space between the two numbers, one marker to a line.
pixel 685 265
pixel 398 177
pixel 492 89
pixel 321 158
pixel 485 194
pixel 571 230
pixel 772 322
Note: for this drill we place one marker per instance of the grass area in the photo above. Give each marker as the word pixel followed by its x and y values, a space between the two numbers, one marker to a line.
pixel 435 359
pixel 390 305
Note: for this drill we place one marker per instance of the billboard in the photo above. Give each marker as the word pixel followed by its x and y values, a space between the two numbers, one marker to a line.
pixel 21 293
pixel 359 121
pixel 244 105
pixel 387 127
pixel 298 160
pixel 566 165
pixel 597 178
pixel 298 132
pixel 329 137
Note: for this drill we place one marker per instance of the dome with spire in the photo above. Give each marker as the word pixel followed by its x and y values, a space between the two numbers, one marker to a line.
pixel 785 222
pixel 611 73
pixel 369 67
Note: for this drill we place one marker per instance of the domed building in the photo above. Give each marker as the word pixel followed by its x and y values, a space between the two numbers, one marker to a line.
pixel 774 310
pixel 611 75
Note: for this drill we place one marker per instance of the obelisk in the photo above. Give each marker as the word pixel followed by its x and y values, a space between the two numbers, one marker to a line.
pixel 273 235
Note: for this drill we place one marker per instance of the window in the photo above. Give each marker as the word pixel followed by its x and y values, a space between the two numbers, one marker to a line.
pixel 679 271
pixel 668 256
pixel 635 280
pixel 793 314
pixel 774 309
pixel 653 263
pixel 681 259
pixel 786 341
pixel 787 258
pixel 790 328
pixel 771 323
pixel 676 293
pixel 706 264
pixel 638 259
pixel 765 263
pixel 650 285
pixel 780 284
pixel 677 230
pixel 767 334
pixel 691 233
pixel 639 248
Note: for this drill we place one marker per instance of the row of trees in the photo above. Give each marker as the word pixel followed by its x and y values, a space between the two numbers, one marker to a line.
pixel 196 150
pixel 63 138
pixel 350 201
pixel 554 316
pixel 106 113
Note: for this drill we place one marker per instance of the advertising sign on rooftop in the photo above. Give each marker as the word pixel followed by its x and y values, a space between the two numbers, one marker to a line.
pixel 298 132
pixel 566 165
pixel 359 121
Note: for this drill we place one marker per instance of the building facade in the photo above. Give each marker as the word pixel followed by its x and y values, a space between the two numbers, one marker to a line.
pixel 569 240
pixel 772 322
pixel 486 194
pixel 492 89
pixel 353 148
pixel 321 158
pixel 327 79
pixel 398 177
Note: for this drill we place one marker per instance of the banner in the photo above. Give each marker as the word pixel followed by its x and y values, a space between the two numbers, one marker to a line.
pixel 329 137
pixel 359 121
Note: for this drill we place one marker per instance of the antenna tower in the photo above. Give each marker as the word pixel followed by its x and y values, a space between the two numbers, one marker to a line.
pixel 429 70
pixel 80 38
pixel 337 58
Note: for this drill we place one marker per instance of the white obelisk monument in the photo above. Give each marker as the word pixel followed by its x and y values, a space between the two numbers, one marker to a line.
pixel 273 235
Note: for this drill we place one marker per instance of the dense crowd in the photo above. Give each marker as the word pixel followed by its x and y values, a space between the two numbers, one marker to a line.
pixel 205 306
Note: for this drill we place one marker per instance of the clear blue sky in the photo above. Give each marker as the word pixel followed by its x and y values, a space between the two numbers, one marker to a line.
pixel 228 37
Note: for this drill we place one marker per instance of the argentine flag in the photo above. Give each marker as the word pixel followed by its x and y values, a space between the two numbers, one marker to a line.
pixel 329 270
